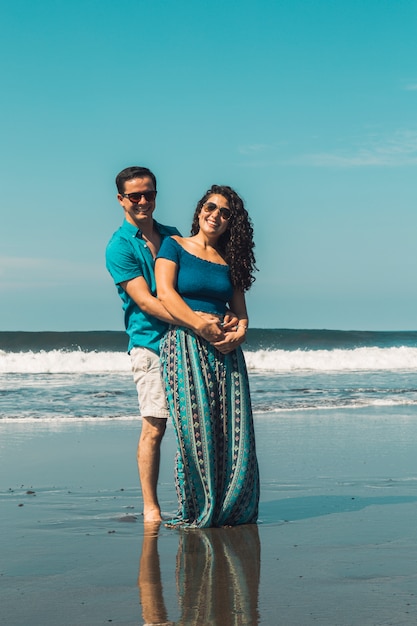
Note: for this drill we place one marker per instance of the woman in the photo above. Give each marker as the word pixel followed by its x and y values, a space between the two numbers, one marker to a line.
pixel 203 366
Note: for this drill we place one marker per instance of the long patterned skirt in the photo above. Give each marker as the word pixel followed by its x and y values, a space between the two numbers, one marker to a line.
pixel 216 470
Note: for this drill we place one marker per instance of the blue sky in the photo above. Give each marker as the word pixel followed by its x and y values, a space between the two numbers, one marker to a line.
pixel 306 107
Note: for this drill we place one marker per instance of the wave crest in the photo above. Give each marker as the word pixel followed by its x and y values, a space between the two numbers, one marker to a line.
pixel 63 362
pixel 401 358
pixel 337 360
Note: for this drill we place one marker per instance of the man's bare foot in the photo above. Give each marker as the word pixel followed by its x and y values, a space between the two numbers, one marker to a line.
pixel 152 515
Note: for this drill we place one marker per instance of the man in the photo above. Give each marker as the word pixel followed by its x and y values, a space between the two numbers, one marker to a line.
pixel 130 257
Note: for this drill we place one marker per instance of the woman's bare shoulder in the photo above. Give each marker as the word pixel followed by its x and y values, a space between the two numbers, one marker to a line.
pixel 184 242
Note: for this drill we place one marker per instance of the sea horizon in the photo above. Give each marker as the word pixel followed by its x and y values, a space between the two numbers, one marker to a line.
pixel 91 339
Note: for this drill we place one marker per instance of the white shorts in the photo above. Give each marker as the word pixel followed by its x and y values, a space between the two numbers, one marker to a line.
pixel 148 381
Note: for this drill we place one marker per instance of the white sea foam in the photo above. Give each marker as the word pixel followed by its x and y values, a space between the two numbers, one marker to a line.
pixel 348 405
pixel 63 361
pixel 56 421
pixel 372 359
pixel 78 361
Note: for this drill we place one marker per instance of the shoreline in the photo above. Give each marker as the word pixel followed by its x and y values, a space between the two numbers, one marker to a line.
pixel 336 542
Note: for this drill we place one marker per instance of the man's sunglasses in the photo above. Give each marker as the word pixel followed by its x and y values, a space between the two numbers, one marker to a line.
pixel 225 213
pixel 136 196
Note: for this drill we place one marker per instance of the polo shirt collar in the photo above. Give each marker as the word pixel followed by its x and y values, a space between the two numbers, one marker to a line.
pixel 134 231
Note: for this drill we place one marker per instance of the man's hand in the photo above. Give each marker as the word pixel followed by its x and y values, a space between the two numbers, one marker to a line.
pixel 210 328
pixel 230 342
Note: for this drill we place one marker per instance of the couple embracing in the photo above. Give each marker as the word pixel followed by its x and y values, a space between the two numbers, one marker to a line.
pixel 185 315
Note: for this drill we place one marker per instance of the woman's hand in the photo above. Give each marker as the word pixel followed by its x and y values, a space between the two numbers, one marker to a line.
pixel 230 321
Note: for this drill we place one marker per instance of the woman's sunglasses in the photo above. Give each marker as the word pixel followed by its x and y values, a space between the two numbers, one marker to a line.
pixel 136 196
pixel 225 213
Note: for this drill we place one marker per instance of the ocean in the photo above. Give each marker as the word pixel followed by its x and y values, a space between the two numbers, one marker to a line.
pixel 61 376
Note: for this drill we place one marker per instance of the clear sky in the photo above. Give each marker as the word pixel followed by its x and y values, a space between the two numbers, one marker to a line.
pixel 308 108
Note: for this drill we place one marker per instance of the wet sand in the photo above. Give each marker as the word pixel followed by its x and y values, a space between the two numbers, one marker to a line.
pixel 336 543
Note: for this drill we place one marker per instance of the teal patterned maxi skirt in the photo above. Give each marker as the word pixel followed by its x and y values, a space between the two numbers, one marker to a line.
pixel 216 470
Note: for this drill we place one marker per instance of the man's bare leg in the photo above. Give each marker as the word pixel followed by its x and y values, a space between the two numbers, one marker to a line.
pixel 148 455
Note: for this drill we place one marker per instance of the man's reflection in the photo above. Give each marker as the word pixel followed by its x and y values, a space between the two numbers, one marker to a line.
pixel 217 575
pixel 149 579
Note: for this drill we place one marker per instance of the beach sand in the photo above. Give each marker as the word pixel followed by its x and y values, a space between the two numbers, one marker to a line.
pixel 336 542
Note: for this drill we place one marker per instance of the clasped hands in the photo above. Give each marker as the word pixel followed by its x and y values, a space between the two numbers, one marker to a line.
pixel 224 335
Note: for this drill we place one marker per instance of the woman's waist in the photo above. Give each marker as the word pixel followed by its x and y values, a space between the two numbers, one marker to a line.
pixel 211 306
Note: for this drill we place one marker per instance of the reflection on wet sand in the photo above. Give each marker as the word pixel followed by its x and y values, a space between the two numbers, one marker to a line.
pixel 217 576
pixel 149 578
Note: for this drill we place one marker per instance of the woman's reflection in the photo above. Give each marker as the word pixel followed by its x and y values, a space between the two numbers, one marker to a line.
pixel 217 576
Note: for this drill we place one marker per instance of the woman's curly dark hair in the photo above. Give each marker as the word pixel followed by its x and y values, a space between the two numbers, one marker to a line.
pixel 236 244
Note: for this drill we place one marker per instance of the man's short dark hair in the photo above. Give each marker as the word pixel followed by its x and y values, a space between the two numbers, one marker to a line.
pixel 133 172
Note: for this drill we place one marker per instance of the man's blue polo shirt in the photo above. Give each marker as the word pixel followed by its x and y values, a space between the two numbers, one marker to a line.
pixel 127 257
